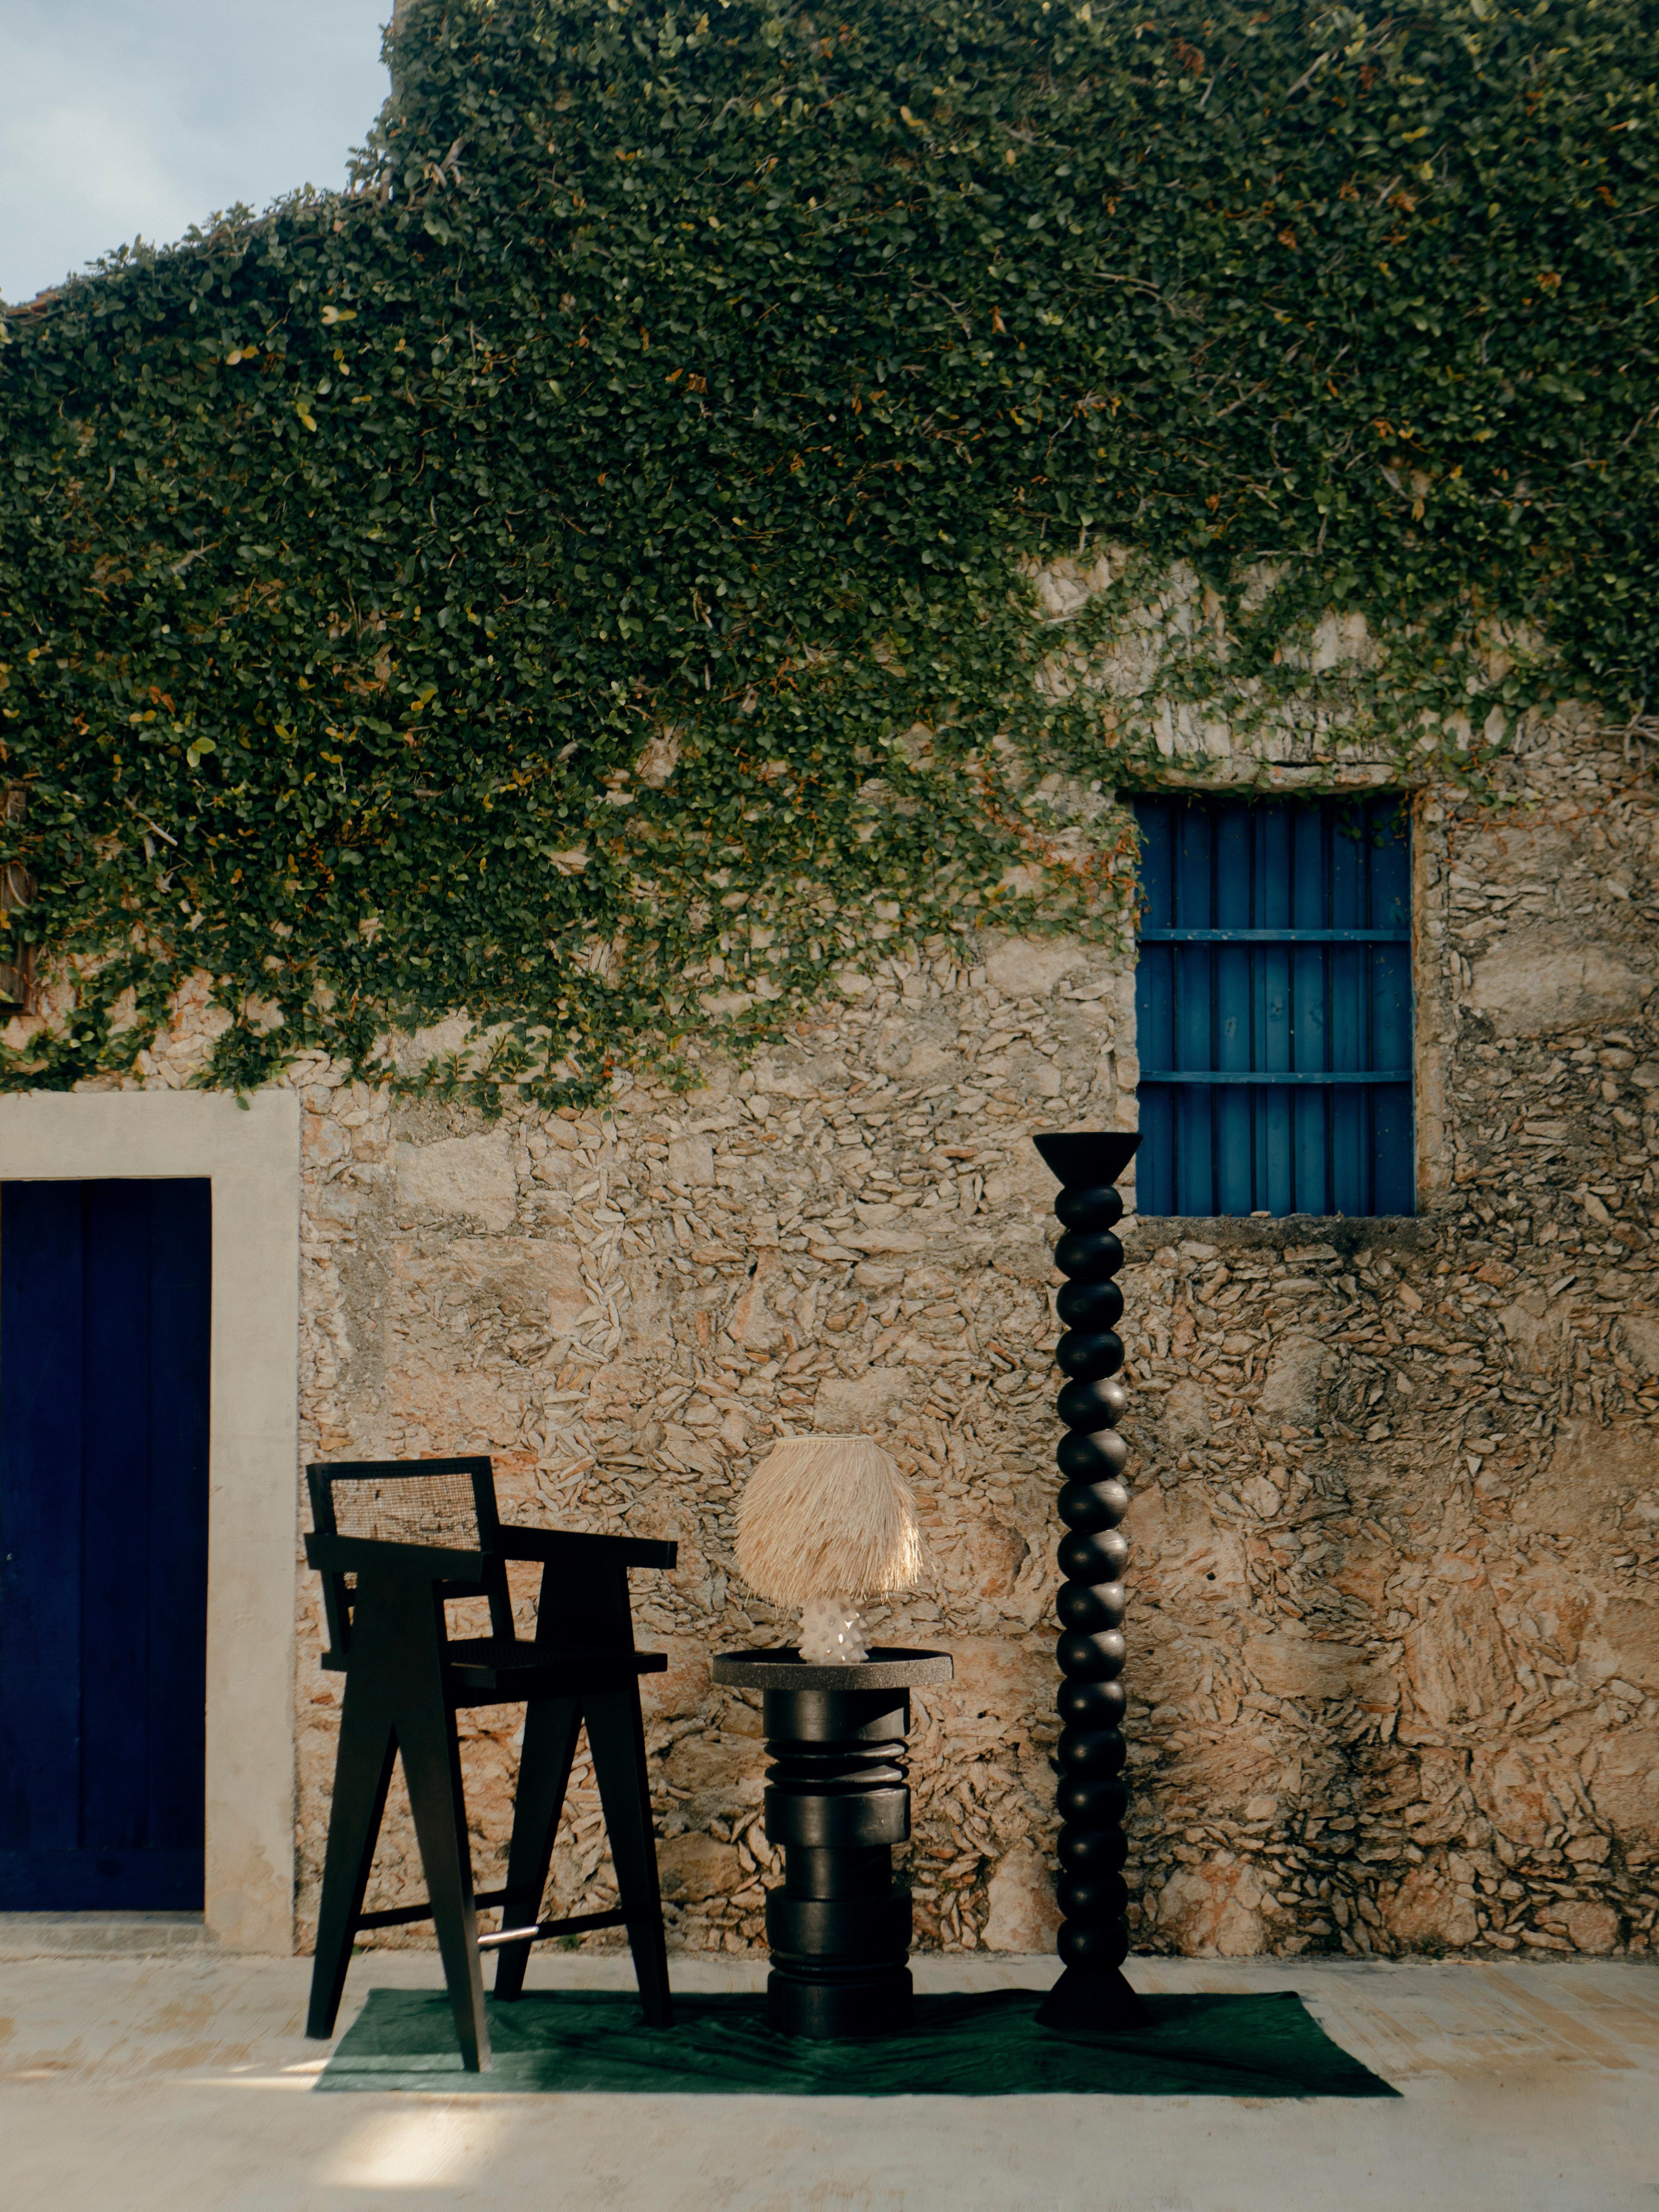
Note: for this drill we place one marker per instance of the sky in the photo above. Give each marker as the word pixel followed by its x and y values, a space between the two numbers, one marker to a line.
pixel 122 118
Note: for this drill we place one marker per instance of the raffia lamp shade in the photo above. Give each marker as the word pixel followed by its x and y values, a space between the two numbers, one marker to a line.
pixel 828 1516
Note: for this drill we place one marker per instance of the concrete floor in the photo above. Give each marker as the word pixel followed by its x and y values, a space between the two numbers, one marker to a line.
pixel 180 2083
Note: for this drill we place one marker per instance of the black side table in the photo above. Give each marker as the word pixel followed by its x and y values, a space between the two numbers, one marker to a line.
pixel 837 1800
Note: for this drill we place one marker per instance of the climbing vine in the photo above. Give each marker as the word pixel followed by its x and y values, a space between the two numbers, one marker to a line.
pixel 688 514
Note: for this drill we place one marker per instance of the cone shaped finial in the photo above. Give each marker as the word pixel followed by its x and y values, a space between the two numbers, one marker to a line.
pixel 1088 1155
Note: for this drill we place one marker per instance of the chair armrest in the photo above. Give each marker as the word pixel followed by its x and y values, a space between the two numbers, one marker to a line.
pixel 372 1555
pixel 512 1542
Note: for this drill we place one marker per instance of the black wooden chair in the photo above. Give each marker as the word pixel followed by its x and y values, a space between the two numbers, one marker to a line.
pixel 394 1541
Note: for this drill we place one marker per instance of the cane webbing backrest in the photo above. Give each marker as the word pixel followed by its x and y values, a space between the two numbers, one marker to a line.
pixel 448 1503
pixel 408 1507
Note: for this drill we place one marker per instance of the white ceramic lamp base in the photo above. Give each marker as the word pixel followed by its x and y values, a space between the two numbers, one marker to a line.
pixel 833 1633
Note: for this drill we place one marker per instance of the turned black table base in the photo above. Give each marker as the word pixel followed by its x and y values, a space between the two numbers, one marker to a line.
pixel 837 1800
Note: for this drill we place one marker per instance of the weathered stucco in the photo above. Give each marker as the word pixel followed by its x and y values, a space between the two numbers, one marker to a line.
pixel 1395 1649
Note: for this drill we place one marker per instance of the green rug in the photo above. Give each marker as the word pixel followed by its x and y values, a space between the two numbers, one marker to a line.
pixel 983 2045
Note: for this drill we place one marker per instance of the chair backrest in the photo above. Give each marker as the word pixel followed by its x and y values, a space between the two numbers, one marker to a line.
pixel 449 1503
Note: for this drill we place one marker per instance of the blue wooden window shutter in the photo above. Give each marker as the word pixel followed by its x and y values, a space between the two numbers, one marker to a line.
pixel 1273 1006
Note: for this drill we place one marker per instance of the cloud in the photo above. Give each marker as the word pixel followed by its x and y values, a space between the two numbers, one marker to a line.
pixel 130 118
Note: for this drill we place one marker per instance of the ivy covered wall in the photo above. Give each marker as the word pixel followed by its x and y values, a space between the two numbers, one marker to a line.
pixel 582 574
pixel 724 506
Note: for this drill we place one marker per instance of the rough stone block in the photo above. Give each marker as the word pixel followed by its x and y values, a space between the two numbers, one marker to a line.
pixel 1213 1909
pixel 695 1868
pixel 1023 1915
pixel 1425 1912
pixel 1034 967
pixel 691 1160
pixel 850 1405
pixel 468 1176
pixel 1529 984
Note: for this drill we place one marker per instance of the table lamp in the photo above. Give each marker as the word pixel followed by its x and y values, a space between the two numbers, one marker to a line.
pixel 825 1522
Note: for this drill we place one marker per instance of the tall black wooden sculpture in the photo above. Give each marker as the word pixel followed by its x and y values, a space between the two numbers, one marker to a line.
pixel 1094 1938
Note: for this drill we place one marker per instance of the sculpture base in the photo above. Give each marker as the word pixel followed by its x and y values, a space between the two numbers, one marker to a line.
pixel 822 2009
pixel 1091 1996
pixel 837 1800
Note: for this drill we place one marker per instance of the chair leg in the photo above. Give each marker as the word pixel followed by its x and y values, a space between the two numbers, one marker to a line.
pixel 363 1772
pixel 615 1736
pixel 432 1769
pixel 551 1728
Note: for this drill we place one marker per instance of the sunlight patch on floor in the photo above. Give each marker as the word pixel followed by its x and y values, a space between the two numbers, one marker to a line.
pixel 426 2148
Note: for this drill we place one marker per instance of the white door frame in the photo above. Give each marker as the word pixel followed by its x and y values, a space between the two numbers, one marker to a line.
pixel 252 1156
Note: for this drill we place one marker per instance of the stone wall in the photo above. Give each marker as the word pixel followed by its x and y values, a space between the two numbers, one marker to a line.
pixel 1394 1646
pixel 626 1310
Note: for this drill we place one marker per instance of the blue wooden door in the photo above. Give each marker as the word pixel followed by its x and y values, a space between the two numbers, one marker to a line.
pixel 1273 1006
pixel 104 1323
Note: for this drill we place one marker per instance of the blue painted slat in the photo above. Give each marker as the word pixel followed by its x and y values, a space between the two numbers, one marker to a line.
pixel 1230 1107
pixel 41 1400
pixel 101 1882
pixel 1273 1028
pixel 1393 1131
pixel 1154 1014
pixel 1317 1078
pixel 1194 1149
pixel 104 1323
pixel 1310 866
pixel 1157 867
pixel 1193 876
pixel 1274 936
pixel 115 1523
pixel 1350 1037
pixel 1230 970
pixel 1234 870
pixel 1348 999
pixel 1310 1037
pixel 1392 1191
pixel 1155 1028
pixel 1309 1045
pixel 1351 1180
pixel 1391 1007
pixel 1271 905
pixel 1194 882
pixel 1278 1188
pixel 1308 1105
pixel 1155 1181
pixel 1392 1146
pixel 1349 869
pixel 180 1297
pixel 1155 1003
pixel 1273 1006
pixel 1388 852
